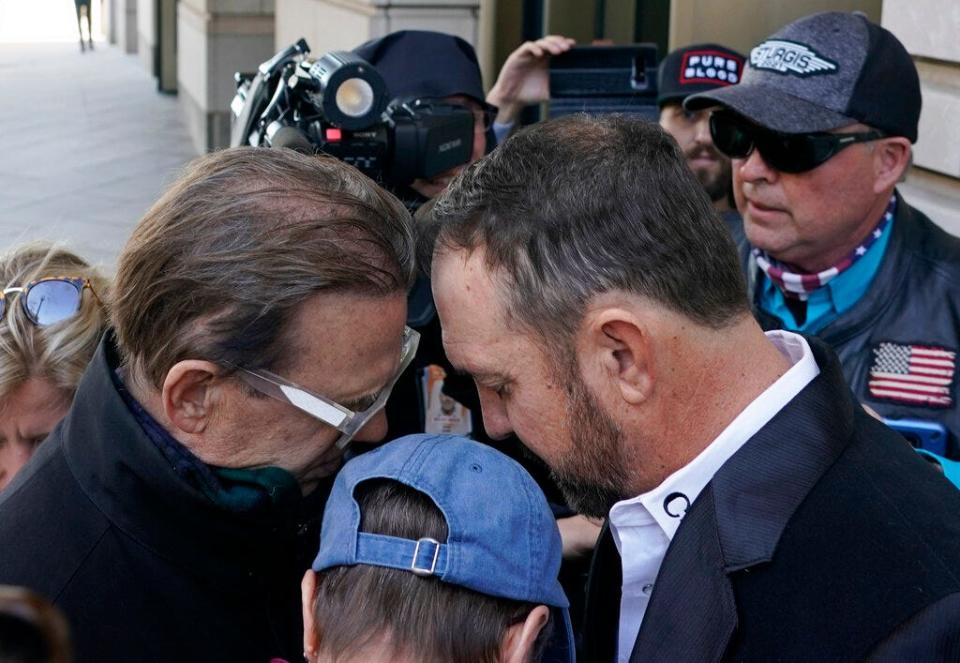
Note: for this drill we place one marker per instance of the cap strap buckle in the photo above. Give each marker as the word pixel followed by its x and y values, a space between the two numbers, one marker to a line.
pixel 422 571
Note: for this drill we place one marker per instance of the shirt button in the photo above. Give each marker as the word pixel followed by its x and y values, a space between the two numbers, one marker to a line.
pixel 647 589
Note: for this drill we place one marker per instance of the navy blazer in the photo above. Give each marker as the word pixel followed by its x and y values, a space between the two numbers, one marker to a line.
pixel 145 567
pixel 824 538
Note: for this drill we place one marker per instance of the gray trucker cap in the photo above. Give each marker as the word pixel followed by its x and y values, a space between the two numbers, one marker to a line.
pixel 823 72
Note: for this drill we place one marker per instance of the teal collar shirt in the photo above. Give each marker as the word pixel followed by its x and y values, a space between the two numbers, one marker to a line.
pixel 839 295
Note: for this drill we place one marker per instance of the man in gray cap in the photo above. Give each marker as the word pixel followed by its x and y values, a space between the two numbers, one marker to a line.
pixel 820 132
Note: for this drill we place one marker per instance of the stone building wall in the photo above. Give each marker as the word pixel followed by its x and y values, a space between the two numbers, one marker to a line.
pixel 930 29
pixel 344 24
pixel 215 39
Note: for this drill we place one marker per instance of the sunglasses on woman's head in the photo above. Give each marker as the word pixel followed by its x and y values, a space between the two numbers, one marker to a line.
pixel 50 300
pixel 788 153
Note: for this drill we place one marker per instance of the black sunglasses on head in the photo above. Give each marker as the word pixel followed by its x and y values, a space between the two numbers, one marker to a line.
pixel 788 153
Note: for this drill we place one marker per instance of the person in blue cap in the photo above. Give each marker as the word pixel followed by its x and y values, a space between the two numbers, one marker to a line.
pixel 437 549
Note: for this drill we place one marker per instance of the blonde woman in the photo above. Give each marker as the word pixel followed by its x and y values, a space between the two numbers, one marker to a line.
pixel 51 319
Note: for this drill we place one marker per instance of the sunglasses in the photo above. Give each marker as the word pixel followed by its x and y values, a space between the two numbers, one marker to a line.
pixel 50 300
pixel 788 153
pixel 346 419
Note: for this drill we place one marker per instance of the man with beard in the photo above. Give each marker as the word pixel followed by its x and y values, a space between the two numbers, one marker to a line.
pixel 755 511
pixel 687 71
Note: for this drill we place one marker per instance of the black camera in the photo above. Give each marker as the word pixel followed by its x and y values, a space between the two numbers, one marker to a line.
pixel 337 105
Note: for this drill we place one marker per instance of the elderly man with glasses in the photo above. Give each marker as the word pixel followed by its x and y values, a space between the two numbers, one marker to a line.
pixel 820 132
pixel 258 326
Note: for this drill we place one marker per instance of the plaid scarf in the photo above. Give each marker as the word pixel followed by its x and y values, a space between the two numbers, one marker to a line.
pixel 798 285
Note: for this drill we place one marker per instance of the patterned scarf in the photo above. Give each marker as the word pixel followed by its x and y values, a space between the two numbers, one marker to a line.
pixel 798 285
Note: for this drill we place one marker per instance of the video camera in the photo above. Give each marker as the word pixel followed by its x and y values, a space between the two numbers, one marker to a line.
pixel 337 105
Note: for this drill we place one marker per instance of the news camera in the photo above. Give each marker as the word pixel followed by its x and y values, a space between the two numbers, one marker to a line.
pixel 337 105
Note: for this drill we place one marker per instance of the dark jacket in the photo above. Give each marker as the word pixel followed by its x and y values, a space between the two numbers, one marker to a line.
pixel 824 538
pixel 914 300
pixel 143 565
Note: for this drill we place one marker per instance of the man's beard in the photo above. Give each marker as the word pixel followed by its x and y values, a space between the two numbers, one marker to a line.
pixel 715 181
pixel 592 477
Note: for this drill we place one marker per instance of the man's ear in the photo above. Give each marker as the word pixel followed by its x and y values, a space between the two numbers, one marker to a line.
pixel 308 595
pixel 518 644
pixel 619 344
pixel 189 394
pixel 891 159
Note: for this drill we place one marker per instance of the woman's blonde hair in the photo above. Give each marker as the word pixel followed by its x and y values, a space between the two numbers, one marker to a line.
pixel 60 352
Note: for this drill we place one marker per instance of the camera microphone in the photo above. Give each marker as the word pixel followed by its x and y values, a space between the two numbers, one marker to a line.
pixel 294 139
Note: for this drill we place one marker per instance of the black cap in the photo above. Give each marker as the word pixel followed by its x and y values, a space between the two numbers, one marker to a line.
pixel 697 68
pixel 823 72
pixel 423 64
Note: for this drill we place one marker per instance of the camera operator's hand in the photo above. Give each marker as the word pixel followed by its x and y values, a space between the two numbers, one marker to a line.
pixel 579 535
pixel 525 78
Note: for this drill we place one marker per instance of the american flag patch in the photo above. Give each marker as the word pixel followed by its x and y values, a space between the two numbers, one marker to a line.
pixel 915 374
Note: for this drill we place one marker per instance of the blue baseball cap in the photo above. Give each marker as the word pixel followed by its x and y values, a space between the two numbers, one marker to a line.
pixel 502 536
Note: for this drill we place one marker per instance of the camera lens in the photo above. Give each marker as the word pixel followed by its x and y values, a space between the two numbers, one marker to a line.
pixel 354 97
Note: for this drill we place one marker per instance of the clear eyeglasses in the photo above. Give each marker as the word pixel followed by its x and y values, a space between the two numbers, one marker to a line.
pixel 344 419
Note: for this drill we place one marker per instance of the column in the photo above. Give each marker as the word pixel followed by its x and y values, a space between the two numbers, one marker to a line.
pixel 146 32
pixel 930 29
pixel 215 39
pixel 125 14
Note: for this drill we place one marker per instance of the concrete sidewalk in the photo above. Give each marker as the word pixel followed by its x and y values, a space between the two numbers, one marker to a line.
pixel 88 144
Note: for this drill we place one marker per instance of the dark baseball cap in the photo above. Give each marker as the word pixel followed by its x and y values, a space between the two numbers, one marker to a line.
pixel 823 72
pixel 697 68
pixel 420 63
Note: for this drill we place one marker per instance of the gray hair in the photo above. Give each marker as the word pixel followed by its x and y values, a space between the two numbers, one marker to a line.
pixel 578 206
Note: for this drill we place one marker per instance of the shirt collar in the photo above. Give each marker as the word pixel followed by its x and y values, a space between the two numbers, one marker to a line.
pixel 667 503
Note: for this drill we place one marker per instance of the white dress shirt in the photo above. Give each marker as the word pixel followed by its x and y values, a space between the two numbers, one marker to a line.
pixel 643 526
